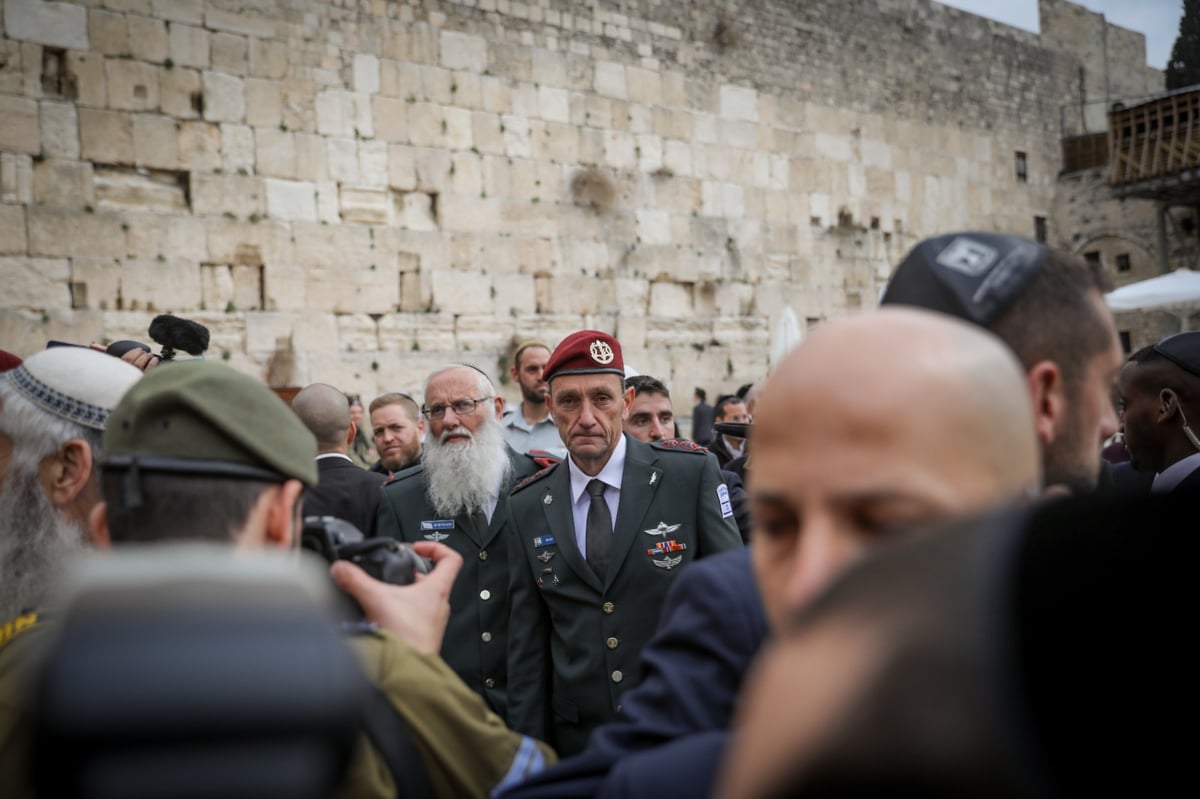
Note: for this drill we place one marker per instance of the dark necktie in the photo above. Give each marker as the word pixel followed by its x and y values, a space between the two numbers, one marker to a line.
pixel 599 530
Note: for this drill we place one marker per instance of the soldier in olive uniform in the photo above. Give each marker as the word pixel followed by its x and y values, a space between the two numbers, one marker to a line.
pixel 586 593
pixel 459 496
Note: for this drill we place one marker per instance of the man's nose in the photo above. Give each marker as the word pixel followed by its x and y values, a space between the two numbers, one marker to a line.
pixel 822 555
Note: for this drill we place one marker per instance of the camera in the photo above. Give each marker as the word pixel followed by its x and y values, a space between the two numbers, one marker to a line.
pixel 169 331
pixel 385 559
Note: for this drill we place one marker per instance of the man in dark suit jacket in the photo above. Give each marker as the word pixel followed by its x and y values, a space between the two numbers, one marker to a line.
pixel 702 418
pixel 458 495
pixel 586 592
pixel 343 489
pixel 1157 389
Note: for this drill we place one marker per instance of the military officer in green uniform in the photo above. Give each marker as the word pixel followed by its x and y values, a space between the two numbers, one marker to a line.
pixel 597 541
pixel 202 452
pixel 458 495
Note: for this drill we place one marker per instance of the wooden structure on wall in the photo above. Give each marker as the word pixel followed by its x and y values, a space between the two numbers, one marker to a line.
pixel 1154 148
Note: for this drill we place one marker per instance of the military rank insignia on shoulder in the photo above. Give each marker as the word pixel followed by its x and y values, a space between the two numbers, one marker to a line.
pixel 679 445
pixel 533 478
pixel 543 458
pixel 14 627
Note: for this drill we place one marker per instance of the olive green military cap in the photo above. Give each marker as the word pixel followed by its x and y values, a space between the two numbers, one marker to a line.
pixel 208 419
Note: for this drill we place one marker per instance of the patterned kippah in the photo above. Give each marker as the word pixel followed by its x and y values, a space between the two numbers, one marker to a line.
pixel 75 383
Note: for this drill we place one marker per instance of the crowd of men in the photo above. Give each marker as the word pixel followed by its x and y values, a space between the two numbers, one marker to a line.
pixel 600 589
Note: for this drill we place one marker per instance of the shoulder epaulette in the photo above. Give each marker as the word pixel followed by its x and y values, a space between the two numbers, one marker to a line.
pixel 533 478
pixel 404 474
pixel 679 445
pixel 14 627
pixel 542 457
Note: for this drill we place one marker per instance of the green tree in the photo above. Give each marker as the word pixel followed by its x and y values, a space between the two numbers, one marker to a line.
pixel 1184 67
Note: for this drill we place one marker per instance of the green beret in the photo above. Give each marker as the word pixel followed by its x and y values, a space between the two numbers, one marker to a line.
pixel 205 418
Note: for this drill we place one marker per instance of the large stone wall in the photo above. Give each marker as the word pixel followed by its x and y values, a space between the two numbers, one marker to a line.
pixel 357 191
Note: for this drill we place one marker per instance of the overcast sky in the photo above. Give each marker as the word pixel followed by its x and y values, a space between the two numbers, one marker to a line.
pixel 1158 19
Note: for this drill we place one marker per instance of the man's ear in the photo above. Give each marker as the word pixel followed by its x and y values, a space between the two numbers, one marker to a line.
pixel 97 525
pixel 350 436
pixel 280 529
pixel 1049 396
pixel 1168 405
pixel 629 394
pixel 65 473
pixel 499 403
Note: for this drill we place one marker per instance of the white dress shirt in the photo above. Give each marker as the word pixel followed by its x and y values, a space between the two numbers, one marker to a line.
pixel 610 475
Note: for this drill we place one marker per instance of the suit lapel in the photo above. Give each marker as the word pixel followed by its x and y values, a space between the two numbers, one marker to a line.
pixel 558 517
pixel 639 483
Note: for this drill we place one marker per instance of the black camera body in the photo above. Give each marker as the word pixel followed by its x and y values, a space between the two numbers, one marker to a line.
pixel 385 559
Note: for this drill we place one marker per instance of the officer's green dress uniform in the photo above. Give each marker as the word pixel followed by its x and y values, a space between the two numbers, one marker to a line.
pixel 476 637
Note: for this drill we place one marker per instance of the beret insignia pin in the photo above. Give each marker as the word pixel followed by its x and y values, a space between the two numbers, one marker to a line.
pixel 601 352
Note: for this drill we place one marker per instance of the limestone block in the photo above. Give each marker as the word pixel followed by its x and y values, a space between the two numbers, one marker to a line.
pixel 632 295
pixel 433 169
pixel 88 71
pixel 739 102
pixel 514 294
pixel 242 196
pixel 228 53
pixel 517 139
pixel 343 159
pixel 108 33
pixel 463 51
pixel 160 285
pixel 95 283
pixel 373 163
pixel 643 85
pixel 486 133
pixel 312 162
pixel 290 199
pixel 467 177
pixel 470 214
pixel 224 97
pixel 391 118
pixel 264 103
pixel 327 202
pixel 284 287
pixel 59 129
pixel 366 73
pixel 458 292
pixel 619 150
pixel 177 89
pixel 574 294
pixel 154 234
pixel 132 85
pixel 610 80
pixel 235 22
pixel 313 331
pixel 668 299
pixel 268 59
pixel 19 129
pixel 554 141
pixel 457 135
pixel 653 227
pixel 414 210
pixel 495 95
pixel 199 146
pixel 237 148
pixel 329 246
pixel 56 24
pixel 357 333
pixel 275 153
pixel 248 244
pixel 216 286
pixel 25 332
pixel 36 282
pixel 13 240
pixel 148 39
pixel 57 232
pixel 16 178
pixel 189 46
pixel 63 183
pixel 554 104
pixel 191 11
pixel 155 141
pixel 267 330
pixel 396 332
pixel 365 205
pixel 402 167
pixel 426 123
pixel 416 291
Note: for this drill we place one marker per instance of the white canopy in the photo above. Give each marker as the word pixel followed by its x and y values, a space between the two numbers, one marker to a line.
pixel 1173 291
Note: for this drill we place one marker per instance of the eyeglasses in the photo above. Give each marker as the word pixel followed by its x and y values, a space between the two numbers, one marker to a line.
pixel 460 407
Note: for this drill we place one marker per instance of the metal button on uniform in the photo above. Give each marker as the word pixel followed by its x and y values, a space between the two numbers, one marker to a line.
pixel 611 643
pixel 617 676
pixel 485 594
pixel 487 637
pixel 608 607
pixel 489 683
pixel 483 554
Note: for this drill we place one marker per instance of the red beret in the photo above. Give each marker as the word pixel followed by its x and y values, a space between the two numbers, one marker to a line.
pixel 587 352
pixel 8 361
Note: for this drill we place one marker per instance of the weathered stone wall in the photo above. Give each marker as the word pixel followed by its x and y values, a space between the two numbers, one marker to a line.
pixel 357 191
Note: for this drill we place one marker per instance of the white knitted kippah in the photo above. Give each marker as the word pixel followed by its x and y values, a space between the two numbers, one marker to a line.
pixel 76 383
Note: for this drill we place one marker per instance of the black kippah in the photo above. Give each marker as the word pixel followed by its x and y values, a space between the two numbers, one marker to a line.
pixel 1183 350
pixel 974 276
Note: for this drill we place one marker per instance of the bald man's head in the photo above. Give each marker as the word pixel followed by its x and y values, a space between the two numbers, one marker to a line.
pixel 326 413
pixel 877 422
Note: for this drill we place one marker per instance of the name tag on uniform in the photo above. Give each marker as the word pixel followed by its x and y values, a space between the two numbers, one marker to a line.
pixel 544 541
pixel 726 505
pixel 438 524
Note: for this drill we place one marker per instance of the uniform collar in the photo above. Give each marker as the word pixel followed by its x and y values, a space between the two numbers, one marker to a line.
pixel 1173 475
pixel 610 475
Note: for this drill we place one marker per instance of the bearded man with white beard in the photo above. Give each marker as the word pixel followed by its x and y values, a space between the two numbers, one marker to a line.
pixel 458 495
pixel 53 408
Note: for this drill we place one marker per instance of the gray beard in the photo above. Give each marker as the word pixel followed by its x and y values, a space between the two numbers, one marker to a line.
pixel 462 477
pixel 36 542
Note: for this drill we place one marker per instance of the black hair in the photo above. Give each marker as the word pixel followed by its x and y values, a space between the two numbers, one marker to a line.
pixel 180 507
pixel 645 384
